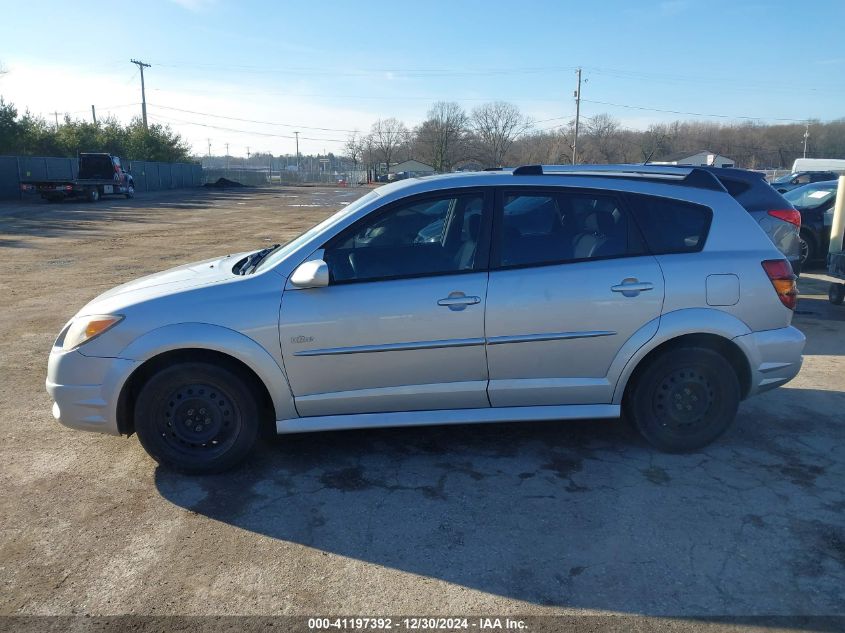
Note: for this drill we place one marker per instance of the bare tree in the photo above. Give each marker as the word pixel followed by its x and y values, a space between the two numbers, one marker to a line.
pixel 354 149
pixel 602 131
pixel 442 137
pixel 387 135
pixel 496 126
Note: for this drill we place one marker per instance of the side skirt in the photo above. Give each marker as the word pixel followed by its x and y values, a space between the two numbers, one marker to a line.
pixel 447 416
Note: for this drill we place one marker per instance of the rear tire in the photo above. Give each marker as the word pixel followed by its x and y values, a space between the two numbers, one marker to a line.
pixel 684 399
pixel 130 192
pixel 836 294
pixel 197 418
pixel 93 194
pixel 808 248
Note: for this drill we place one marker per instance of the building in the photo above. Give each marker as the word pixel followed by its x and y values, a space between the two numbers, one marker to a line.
pixel 701 158
pixel 412 169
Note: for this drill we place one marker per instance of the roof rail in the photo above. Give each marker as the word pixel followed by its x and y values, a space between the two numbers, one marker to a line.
pixel 683 175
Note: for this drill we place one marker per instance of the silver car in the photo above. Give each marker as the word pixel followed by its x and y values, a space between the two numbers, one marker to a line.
pixel 539 293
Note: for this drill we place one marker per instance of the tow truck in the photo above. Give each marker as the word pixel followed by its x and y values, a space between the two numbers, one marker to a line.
pixel 99 174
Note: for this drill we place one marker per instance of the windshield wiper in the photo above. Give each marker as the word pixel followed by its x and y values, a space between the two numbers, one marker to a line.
pixel 252 261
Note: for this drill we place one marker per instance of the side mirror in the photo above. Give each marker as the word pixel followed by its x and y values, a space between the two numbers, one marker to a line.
pixel 313 274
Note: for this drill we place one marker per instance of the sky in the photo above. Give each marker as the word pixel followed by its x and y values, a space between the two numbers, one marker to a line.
pixel 251 73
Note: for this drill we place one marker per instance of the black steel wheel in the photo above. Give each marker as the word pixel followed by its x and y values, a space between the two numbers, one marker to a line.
pixel 197 418
pixel 684 399
pixel 836 294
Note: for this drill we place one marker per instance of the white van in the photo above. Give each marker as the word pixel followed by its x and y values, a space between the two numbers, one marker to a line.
pixel 819 164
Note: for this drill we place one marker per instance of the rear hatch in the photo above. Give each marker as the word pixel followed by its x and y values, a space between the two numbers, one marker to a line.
pixel 777 217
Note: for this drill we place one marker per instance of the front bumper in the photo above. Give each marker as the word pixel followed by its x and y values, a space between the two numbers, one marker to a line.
pixel 85 389
pixel 774 356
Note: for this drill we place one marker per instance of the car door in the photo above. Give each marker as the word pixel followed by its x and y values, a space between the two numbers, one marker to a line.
pixel 400 326
pixel 570 283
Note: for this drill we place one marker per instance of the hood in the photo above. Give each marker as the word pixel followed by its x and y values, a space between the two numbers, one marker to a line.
pixel 187 276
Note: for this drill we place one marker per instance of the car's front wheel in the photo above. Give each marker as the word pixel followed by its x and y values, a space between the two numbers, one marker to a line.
pixel 684 399
pixel 196 417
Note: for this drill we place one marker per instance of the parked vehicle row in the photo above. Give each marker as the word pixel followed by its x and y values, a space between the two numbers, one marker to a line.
pixel 536 293
pixel 815 203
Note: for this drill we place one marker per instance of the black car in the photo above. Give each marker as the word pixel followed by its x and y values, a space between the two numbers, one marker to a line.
pixel 815 202
pixel 801 178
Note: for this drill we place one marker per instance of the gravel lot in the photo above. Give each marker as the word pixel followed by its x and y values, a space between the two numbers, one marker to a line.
pixel 510 519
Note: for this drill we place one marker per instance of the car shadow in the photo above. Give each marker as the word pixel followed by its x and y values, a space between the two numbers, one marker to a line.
pixel 576 514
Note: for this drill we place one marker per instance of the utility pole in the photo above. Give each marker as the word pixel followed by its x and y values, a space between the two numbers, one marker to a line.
pixel 297 151
pixel 227 157
pixel 56 114
pixel 247 153
pixel 141 66
pixel 806 136
pixel 209 148
pixel 94 113
pixel 577 118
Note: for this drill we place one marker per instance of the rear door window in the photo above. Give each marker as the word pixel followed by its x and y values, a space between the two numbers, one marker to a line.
pixel 538 228
pixel 671 226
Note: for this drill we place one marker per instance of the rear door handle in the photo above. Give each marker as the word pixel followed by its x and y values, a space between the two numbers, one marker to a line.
pixel 458 301
pixel 631 287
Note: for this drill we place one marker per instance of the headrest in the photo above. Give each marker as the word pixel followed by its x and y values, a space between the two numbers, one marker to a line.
pixel 600 222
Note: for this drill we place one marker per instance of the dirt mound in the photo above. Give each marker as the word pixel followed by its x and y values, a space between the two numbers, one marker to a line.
pixel 223 183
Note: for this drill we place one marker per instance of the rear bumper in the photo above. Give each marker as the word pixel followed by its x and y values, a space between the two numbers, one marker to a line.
pixel 773 355
pixel 85 389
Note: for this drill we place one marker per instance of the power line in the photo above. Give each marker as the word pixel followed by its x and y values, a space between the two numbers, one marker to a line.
pixel 701 114
pixel 232 118
pixel 238 131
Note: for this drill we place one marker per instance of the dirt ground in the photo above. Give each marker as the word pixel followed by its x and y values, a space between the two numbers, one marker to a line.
pixel 523 519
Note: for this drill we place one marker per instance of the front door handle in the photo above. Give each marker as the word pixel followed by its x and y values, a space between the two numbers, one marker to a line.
pixel 631 287
pixel 458 301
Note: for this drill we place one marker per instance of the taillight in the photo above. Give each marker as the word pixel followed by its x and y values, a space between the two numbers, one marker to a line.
pixel 787 215
pixel 783 279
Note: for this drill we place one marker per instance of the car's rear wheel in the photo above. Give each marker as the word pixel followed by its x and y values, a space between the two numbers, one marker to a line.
pixel 684 399
pixel 93 194
pixel 197 418
pixel 808 249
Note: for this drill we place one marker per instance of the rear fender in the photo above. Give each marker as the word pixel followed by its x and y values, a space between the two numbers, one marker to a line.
pixel 665 328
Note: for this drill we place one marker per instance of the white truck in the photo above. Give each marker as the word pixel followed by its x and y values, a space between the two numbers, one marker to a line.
pixel 819 164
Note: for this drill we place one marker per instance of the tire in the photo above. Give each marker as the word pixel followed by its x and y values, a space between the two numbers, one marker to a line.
pixel 169 426
pixel 808 249
pixel 93 194
pixel 836 294
pixel 684 399
pixel 130 192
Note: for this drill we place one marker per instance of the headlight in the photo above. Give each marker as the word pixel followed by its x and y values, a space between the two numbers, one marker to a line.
pixel 83 329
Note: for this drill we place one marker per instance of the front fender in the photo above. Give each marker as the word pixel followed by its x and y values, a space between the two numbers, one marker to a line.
pixel 220 339
pixel 665 328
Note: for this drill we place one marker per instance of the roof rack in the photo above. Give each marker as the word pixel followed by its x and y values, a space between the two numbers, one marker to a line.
pixel 671 174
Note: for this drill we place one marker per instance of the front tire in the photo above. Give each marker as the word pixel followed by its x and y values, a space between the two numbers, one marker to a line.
pixel 684 399
pixel 197 418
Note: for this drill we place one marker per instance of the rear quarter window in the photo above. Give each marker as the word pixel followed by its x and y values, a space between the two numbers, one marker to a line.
pixel 754 195
pixel 671 226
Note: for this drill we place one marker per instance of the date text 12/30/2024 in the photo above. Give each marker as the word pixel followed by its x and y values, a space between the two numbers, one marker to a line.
pixel 417 624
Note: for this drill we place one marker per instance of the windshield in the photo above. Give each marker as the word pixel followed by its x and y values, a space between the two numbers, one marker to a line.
pixel 812 196
pixel 279 254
